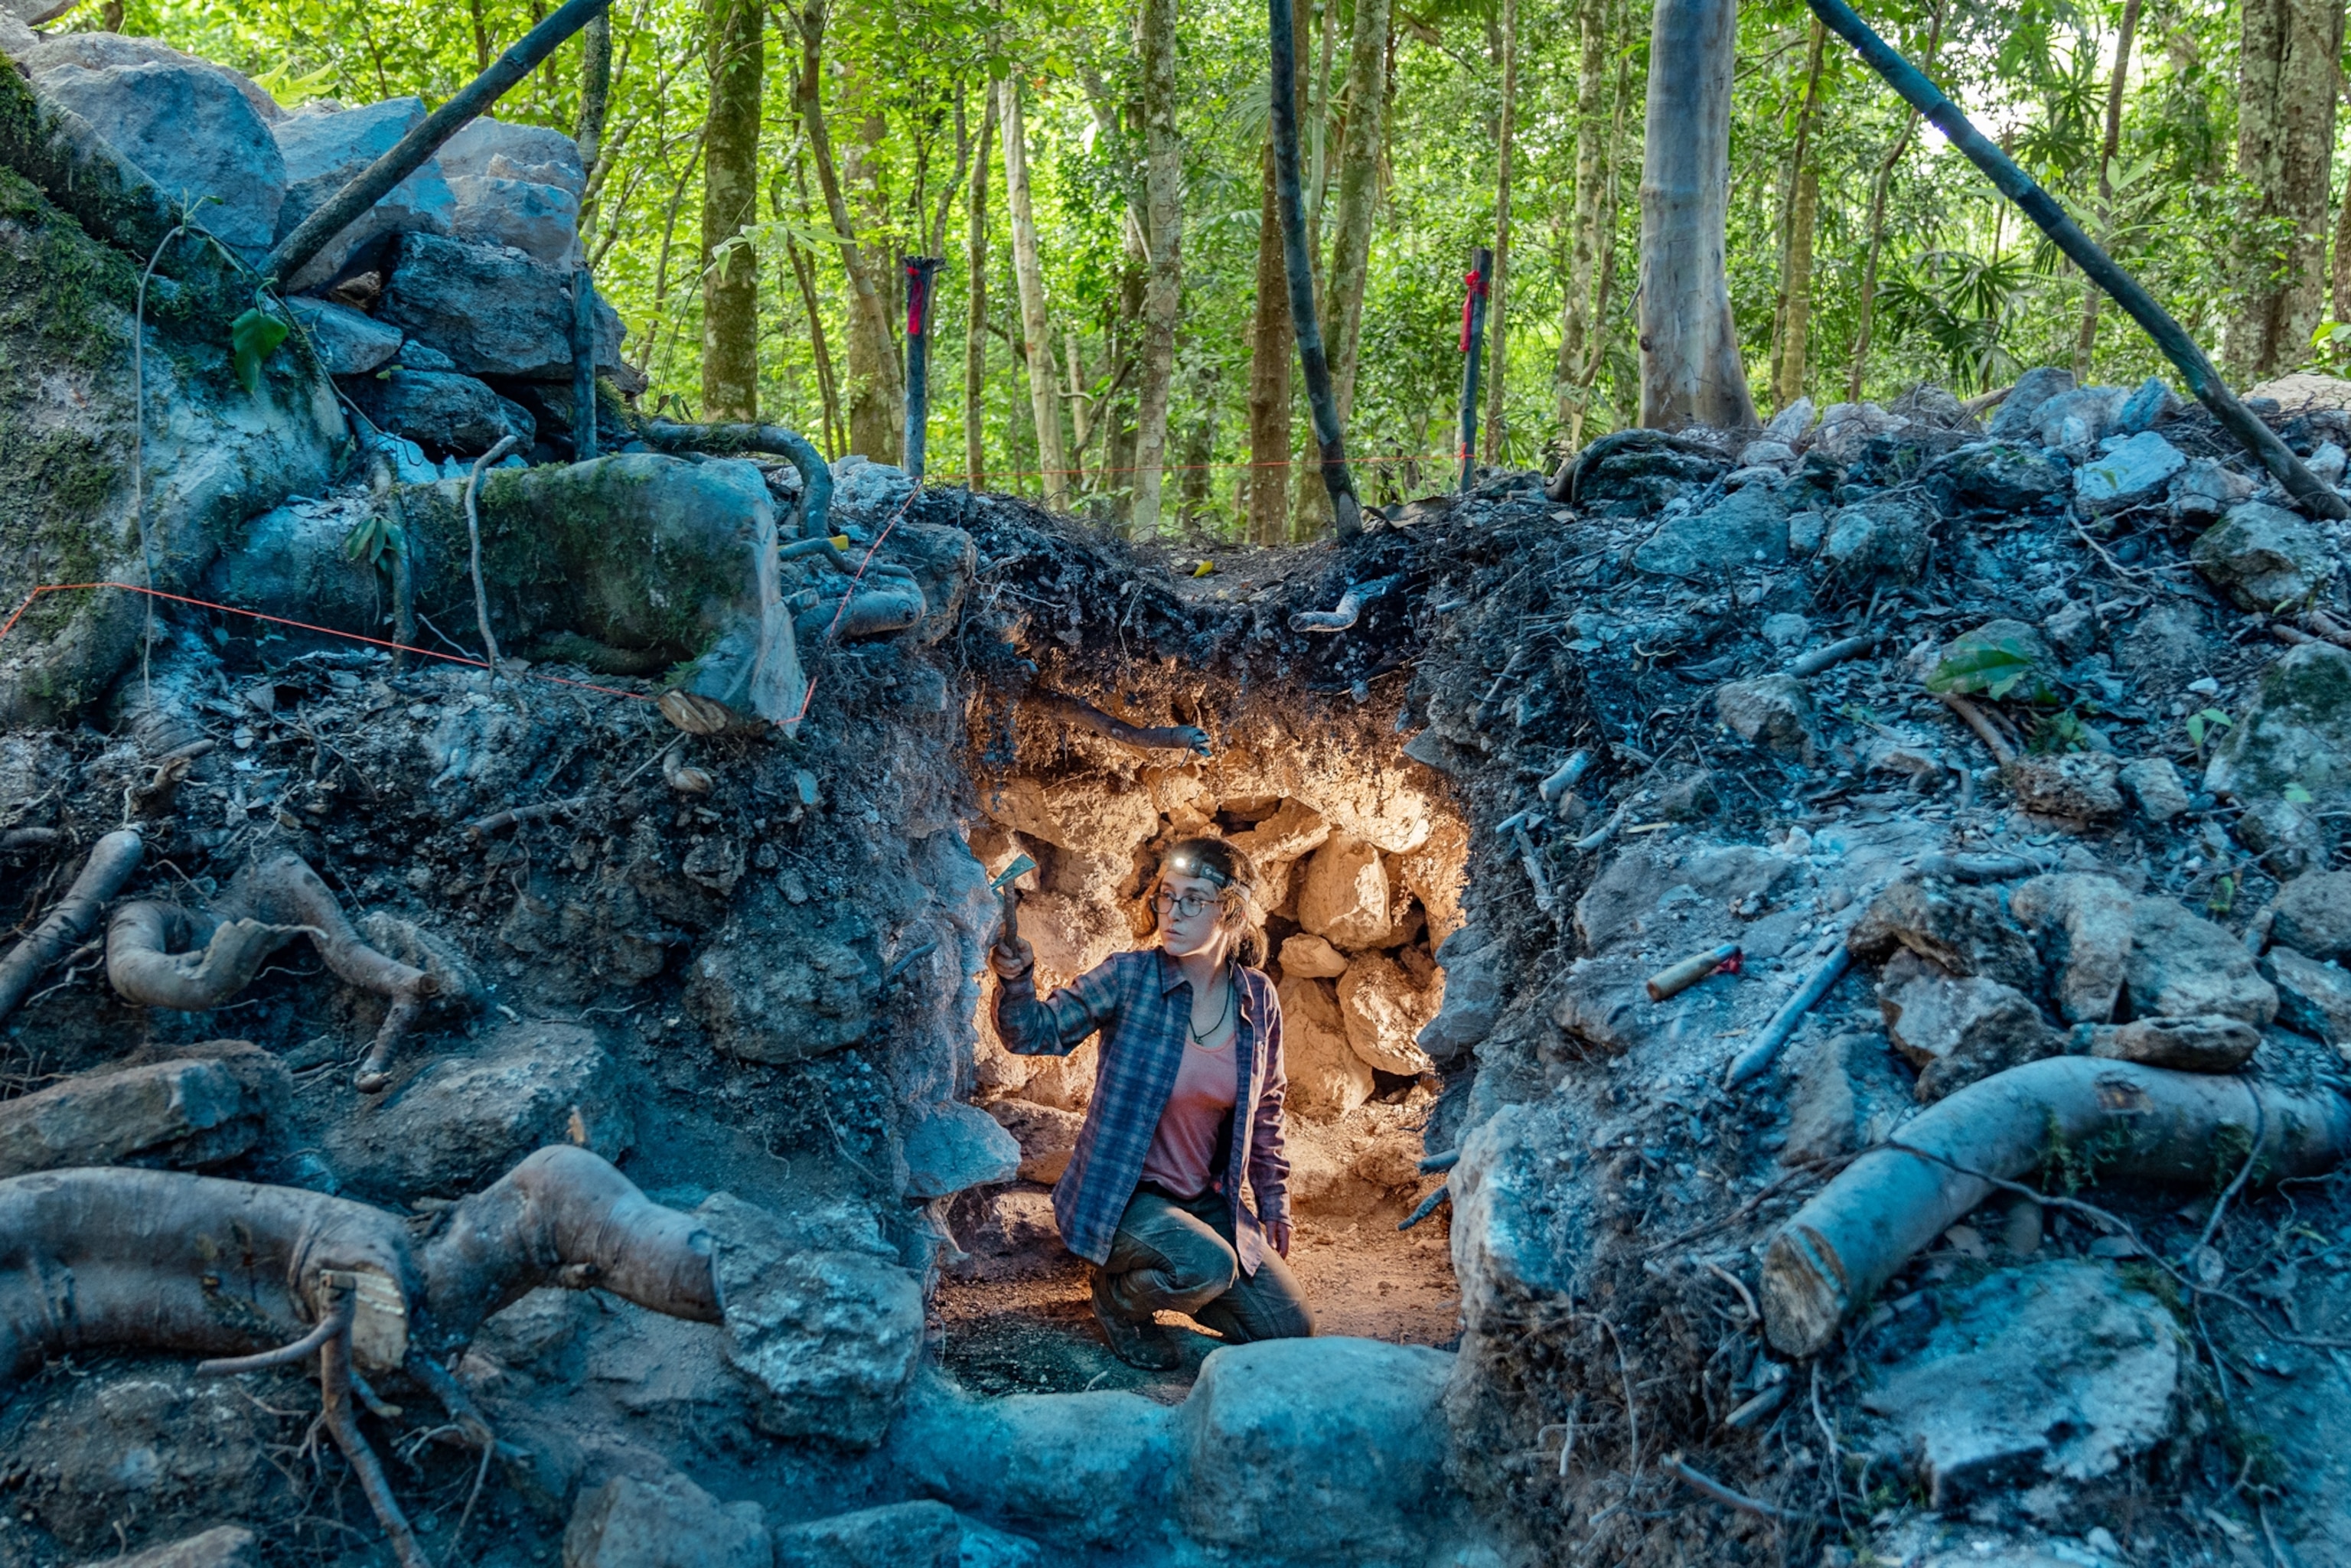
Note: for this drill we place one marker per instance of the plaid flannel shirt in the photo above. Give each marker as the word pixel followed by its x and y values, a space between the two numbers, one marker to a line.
pixel 1142 1004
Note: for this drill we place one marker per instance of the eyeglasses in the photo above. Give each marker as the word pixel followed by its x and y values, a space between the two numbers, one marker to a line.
pixel 1188 905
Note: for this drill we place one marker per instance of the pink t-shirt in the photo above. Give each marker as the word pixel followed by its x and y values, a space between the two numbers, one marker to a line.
pixel 1207 1084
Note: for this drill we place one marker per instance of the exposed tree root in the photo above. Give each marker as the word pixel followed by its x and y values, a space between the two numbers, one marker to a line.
pixel 111 861
pixel 161 955
pixel 2145 1122
pixel 163 1261
pixel 1165 738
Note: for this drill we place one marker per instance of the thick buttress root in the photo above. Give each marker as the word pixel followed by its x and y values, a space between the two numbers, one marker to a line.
pixel 111 861
pixel 2145 1122
pixel 263 1276
pixel 161 956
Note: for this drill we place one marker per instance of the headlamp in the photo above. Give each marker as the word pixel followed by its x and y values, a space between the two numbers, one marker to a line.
pixel 1183 863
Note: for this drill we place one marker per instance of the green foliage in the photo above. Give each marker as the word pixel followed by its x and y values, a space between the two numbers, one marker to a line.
pixel 2204 724
pixel 252 337
pixel 1994 670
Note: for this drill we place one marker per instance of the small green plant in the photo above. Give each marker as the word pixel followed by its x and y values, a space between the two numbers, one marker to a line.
pixel 1994 670
pixel 2295 795
pixel 251 338
pixel 374 539
pixel 2067 729
pixel 2223 896
pixel 2206 725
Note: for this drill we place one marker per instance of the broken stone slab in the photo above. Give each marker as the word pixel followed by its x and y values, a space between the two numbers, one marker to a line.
pixel 2293 740
pixel 797 982
pixel 185 1114
pixel 1008 1234
pixel 2147 404
pixel 1477 971
pixel 827 1340
pixel 439 412
pixel 1957 1030
pixel 507 150
pixel 1788 426
pixel 1964 929
pixel 953 1146
pixel 1999 476
pixel 1327 1079
pixel 1766 452
pixel 2210 1044
pixel 2132 475
pixel 1773 712
pixel 1848 1095
pixel 1747 528
pixel 2206 489
pixel 2072 630
pixel 2183 966
pixel 1346 897
pixel 325 149
pixel 663 1521
pixel 2076 786
pixel 2263 557
pixel 1354 1424
pixel 1382 1011
pixel 1294 831
pixel 2058 1371
pixel 1628 898
pixel 347 342
pixel 2313 997
pixel 1882 541
pixel 540 220
pixel 2313 913
pixel 1088 814
pixel 2020 410
pixel 2084 925
pixel 1311 957
pixel 2155 787
pixel 494 311
pixel 925 1534
pixel 1846 427
pixel 2071 421
pixel 223 1546
pixel 463 1120
pixel 1047 1136
pixel 191 127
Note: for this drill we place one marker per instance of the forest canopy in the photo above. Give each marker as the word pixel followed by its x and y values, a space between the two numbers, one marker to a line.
pixel 764 171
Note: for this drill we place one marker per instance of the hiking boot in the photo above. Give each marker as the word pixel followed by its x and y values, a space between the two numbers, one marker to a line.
pixel 1138 1342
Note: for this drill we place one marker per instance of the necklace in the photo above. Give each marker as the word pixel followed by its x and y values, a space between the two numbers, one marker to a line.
pixel 1199 1038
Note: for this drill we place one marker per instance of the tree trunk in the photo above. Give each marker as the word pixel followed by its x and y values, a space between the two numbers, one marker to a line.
pixel 1036 334
pixel 1269 394
pixel 877 395
pixel 1283 36
pixel 1879 186
pixel 975 341
pixel 2086 341
pixel 1497 304
pixel 1359 155
pixel 1595 151
pixel 595 102
pixel 1691 369
pixel 730 194
pixel 828 385
pixel 2286 85
pixel 1795 310
pixel 1163 233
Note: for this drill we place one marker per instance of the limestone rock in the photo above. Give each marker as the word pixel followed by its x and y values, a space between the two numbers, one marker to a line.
pixel 1964 929
pixel 666 1522
pixel 1382 1010
pixel 1960 1030
pixel 2313 913
pixel 805 986
pixel 1748 527
pixel 1770 711
pixel 827 1339
pixel 2077 419
pixel 1047 1136
pixel 2187 1044
pixel 1848 1095
pixel 1083 814
pixel 187 1113
pixel 2058 1371
pixel 2155 787
pixel 349 343
pixel 224 1546
pixel 2206 489
pixel 955 1145
pixel 1277 842
pixel 2084 925
pixel 2313 999
pixel 2019 411
pixel 506 150
pixel 925 1535
pixel 1089 1469
pixel 1007 1234
pixel 2072 630
pixel 467 1119
pixel 1311 957
pixel 186 123
pixel 1436 873
pixel 1846 427
pixel 1756 454
pixel 1999 476
pixel 442 412
pixel 1327 1079
pixel 494 311
pixel 2183 966
pixel 2295 737
pixel 1354 1424
pixel 540 220
pixel 2133 474
pixel 1787 425
pixel 1345 896
pixel 2262 556
pixel 1644 880
pixel 1882 541
pixel 2147 404
pixel 2076 786
pixel 324 151
pixel 1477 971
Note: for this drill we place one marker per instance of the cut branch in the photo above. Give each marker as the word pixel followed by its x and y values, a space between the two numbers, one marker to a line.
pixel 111 861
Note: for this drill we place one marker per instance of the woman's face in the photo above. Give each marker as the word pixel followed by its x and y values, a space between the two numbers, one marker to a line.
pixel 1191 915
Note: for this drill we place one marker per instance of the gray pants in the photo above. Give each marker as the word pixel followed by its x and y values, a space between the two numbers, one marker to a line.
pixel 1178 1254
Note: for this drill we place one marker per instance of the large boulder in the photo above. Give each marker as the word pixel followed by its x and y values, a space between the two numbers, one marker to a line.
pixel 1092 1469
pixel 494 311
pixel 2020 410
pixel 1748 527
pixel 1335 1448
pixel 1382 1011
pixel 442 412
pixel 349 343
pixel 2313 913
pixel 1327 1079
pixel 1964 929
pixel 540 220
pixel 2288 761
pixel 2263 557
pixel 465 1120
pixel 789 983
pixel 663 1521
pixel 1882 541
pixel 187 124
pixel 507 150
pixel 1047 1136
pixel 187 1112
pixel 1346 895
pixel 324 150
pixel 1999 476
pixel 2057 1373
